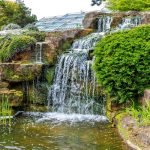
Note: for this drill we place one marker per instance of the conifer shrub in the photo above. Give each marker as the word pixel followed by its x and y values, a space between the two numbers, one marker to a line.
pixel 126 5
pixel 122 63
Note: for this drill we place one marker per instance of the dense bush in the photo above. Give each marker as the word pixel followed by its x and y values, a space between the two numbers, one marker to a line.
pixel 10 45
pixel 122 63
pixel 126 5
pixel 38 35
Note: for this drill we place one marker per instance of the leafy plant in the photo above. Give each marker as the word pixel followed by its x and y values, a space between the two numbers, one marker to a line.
pixel 5 111
pixel 13 44
pixel 17 13
pixel 122 63
pixel 38 35
pixel 141 114
pixel 126 5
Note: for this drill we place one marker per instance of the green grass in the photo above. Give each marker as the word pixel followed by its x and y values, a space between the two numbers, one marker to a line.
pixel 140 113
pixel 5 111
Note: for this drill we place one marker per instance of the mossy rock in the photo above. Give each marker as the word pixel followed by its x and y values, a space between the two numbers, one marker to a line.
pixel 15 97
pixel 15 72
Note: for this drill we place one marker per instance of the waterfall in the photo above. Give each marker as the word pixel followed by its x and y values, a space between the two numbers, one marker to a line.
pixel 39 47
pixel 74 95
pixel 104 23
pixel 74 81
pixel 128 23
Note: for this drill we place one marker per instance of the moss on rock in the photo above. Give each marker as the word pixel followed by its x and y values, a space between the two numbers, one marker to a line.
pixel 15 72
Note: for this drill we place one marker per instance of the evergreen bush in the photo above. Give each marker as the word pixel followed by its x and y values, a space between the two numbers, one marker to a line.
pixel 126 5
pixel 122 63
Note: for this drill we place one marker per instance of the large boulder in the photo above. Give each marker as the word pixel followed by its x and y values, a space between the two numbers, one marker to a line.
pixel 57 42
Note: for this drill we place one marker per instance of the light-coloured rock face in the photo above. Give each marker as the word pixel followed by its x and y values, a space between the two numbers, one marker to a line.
pixel 57 42
pixel 145 17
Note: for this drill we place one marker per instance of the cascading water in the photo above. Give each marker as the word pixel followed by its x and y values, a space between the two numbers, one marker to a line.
pixel 39 47
pixel 128 23
pixel 74 87
pixel 74 92
pixel 74 95
pixel 74 81
pixel 104 23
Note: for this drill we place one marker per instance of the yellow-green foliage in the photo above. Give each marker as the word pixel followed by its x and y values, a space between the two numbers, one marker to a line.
pixel 141 114
pixel 126 5
pixel 123 131
pixel 10 45
pixel 38 35
pixel 122 63
pixel 50 75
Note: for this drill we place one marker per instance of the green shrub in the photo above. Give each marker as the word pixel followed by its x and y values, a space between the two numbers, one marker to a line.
pixel 10 45
pixel 122 63
pixel 126 5
pixel 38 35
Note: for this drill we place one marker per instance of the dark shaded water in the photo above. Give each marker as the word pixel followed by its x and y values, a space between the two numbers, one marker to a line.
pixel 25 134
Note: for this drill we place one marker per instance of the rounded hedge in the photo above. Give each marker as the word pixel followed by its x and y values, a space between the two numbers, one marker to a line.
pixel 122 63
pixel 127 5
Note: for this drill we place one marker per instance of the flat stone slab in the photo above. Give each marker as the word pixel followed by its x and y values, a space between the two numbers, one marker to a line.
pixel 16 72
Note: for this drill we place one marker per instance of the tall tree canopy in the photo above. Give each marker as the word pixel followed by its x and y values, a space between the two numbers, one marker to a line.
pixel 18 13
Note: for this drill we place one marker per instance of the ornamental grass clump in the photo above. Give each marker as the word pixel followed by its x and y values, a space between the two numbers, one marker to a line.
pixel 5 111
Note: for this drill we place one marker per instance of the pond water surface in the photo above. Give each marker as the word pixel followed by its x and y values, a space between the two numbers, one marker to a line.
pixel 26 134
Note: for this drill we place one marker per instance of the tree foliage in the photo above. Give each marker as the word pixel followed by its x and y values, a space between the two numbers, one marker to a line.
pixel 126 5
pixel 122 63
pixel 17 13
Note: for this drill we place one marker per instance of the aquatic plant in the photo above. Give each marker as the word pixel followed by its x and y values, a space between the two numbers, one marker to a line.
pixel 5 111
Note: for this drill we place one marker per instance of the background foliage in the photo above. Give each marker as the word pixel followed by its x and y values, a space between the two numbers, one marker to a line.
pixel 17 13
pixel 122 63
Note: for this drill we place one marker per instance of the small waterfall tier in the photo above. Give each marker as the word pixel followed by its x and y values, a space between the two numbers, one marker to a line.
pixel 129 22
pixel 104 23
pixel 88 42
pixel 39 52
pixel 39 47
pixel 74 89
